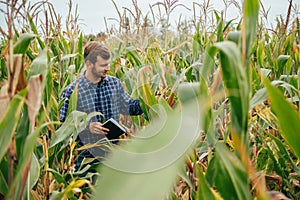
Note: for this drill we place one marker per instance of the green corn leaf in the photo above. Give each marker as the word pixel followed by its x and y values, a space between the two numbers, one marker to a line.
pixel 262 159
pixel 256 80
pixel 282 60
pixel 56 195
pixel 144 88
pixel 288 43
pixel 251 10
pixel 219 27
pixel 228 23
pixel 23 129
pixel 261 95
pixel 209 62
pixel 9 121
pixel 72 126
pixel 288 118
pixel 49 89
pixel 64 45
pixel 155 154
pixel 207 105
pixel 29 145
pixel 34 171
pixel 3 69
pixel 79 59
pixel 39 66
pixel 235 36
pixel 32 24
pixel 23 42
pixel 133 57
pixel 228 175
pixel 66 57
pixel 80 44
pixel 234 77
pixel 58 177
pixel 260 54
pixel 4 176
pixel 283 151
pixel 34 29
pixel 204 190
pixel 54 49
pixel 129 81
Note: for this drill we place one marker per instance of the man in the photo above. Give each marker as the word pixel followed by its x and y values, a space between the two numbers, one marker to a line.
pixel 98 92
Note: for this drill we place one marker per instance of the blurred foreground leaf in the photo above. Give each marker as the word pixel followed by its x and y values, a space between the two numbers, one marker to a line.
pixel 156 154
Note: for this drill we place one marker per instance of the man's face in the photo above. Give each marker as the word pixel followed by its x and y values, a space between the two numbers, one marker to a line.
pixel 100 68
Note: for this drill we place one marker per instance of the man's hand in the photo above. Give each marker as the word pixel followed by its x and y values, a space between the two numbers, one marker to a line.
pixel 97 128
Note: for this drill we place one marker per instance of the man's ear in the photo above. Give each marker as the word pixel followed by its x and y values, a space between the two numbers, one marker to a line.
pixel 88 63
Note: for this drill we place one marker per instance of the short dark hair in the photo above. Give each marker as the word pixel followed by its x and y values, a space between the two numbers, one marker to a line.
pixel 94 49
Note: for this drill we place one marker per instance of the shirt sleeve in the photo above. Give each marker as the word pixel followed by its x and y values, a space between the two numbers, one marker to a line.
pixel 135 107
pixel 65 96
pixel 128 105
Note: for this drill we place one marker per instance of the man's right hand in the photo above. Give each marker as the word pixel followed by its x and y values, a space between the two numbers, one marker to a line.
pixel 97 128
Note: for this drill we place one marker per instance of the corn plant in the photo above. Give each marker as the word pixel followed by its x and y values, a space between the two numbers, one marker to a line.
pixel 224 169
pixel 220 104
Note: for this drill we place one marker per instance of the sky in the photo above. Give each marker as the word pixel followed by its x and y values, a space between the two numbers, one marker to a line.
pixel 93 12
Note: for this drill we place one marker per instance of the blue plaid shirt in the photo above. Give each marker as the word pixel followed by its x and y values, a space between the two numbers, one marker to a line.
pixel 107 97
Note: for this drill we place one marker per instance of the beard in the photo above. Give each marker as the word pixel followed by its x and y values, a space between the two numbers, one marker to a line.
pixel 97 74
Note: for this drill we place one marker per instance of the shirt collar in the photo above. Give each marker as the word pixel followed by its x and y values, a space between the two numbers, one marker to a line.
pixel 104 80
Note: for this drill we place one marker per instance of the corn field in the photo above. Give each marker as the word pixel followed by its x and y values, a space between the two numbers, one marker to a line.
pixel 220 101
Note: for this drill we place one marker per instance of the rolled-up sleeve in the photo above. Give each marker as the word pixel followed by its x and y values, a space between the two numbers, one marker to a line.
pixel 128 105
pixel 135 107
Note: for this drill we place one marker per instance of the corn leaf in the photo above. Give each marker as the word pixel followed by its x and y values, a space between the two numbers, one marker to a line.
pixel 73 125
pixel 34 171
pixel 234 77
pixel 39 66
pixel 26 154
pixel 204 190
pixel 144 87
pixel 133 57
pixel 58 177
pixel 156 154
pixel 228 175
pixel 4 176
pixel 10 120
pixel 23 42
pixel 235 36
pixel 282 61
pixel 209 62
pixel 34 29
pixel 283 151
pixel 251 10
pixel 288 118
pixel 79 59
